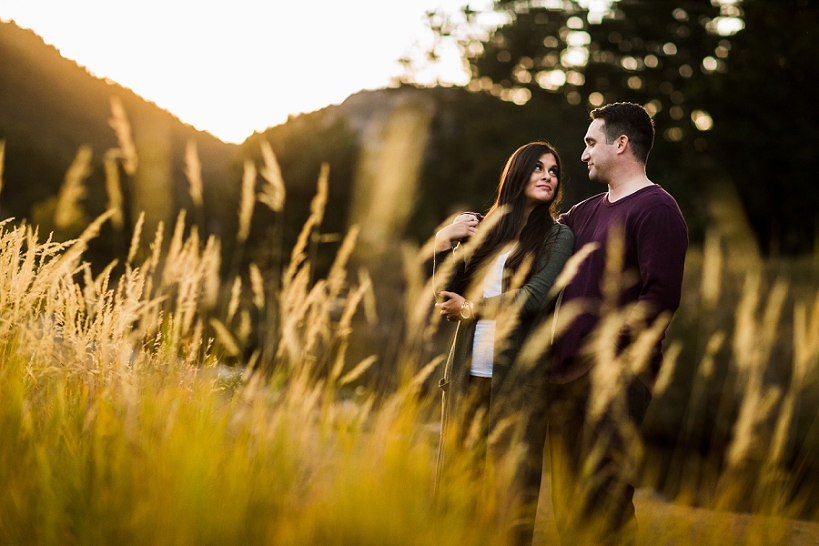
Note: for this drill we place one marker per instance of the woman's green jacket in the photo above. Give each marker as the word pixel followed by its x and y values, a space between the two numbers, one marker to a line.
pixel 517 313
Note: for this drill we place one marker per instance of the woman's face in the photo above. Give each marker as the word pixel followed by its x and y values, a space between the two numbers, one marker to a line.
pixel 542 186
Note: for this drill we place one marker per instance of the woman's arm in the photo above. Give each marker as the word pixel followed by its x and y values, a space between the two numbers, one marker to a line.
pixel 465 225
pixel 536 290
pixel 449 278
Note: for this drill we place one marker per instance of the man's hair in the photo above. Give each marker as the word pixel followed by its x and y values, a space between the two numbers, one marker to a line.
pixel 632 120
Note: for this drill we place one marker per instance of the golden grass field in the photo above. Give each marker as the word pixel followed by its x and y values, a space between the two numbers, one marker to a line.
pixel 120 422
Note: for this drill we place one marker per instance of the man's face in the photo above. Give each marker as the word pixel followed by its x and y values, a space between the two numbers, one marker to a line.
pixel 598 155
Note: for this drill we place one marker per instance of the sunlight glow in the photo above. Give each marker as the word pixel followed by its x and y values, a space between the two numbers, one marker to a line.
pixel 238 67
pixel 726 26
pixel 551 80
pixel 702 120
pixel 575 56
pixel 596 99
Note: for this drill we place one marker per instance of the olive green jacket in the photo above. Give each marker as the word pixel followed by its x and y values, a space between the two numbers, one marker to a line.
pixel 516 311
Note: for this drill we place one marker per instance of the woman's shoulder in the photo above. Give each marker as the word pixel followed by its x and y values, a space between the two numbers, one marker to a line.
pixel 561 232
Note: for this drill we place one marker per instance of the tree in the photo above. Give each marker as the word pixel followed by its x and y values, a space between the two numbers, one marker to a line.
pixel 726 82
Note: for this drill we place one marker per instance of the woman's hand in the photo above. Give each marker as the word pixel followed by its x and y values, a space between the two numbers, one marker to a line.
pixel 464 225
pixel 451 306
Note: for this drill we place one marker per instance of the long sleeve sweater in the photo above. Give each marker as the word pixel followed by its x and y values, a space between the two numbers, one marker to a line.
pixel 654 242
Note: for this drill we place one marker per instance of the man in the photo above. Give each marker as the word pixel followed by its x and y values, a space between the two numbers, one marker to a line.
pixel 634 276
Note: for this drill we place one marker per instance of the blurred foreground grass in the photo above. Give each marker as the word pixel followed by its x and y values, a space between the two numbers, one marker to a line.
pixel 120 424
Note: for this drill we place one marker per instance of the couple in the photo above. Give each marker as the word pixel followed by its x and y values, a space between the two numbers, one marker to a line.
pixel 502 292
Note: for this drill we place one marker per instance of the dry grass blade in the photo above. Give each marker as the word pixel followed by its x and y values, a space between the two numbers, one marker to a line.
pixel 2 162
pixel 806 341
pixel 247 201
pixel 319 203
pixel 89 233
pixel 235 295
pixel 337 275
pixel 744 341
pixel 73 189
pixel 256 285
pixel 174 267
pixel 114 190
pixel 639 353
pixel 416 308
pixel 298 254
pixel 370 307
pixel 224 337
pixel 544 334
pixel 755 410
pixel 245 326
pixel 273 191
pixel 211 258
pixel 119 122
pixel 570 269
pixel 358 370
pixel 134 248
pixel 193 172
pixel 666 375
pixel 343 329
pixel 156 246
pixel 420 378
pixel 711 271
pixel 614 281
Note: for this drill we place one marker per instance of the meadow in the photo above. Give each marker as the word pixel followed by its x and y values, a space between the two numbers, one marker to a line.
pixel 135 408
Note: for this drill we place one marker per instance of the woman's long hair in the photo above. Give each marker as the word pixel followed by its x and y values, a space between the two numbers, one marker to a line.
pixel 511 195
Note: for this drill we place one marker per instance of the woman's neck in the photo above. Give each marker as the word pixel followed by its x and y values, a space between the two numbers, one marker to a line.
pixel 526 212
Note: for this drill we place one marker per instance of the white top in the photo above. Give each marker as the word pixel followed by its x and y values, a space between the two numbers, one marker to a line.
pixel 483 345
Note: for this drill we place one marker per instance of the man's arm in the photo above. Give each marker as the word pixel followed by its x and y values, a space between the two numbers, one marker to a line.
pixel 661 243
pixel 661 240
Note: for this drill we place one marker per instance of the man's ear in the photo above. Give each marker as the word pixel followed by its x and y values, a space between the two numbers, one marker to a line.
pixel 622 144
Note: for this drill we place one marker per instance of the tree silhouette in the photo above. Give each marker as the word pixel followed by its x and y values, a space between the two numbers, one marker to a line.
pixel 725 81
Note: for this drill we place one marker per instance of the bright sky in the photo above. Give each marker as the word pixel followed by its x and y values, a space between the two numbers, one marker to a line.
pixel 234 67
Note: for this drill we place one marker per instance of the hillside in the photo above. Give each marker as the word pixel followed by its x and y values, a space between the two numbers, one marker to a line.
pixel 50 106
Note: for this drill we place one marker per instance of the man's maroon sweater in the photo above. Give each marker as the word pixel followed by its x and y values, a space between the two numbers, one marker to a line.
pixel 655 239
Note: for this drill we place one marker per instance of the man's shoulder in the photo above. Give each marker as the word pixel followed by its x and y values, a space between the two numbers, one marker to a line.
pixel 656 198
pixel 591 201
pixel 580 208
pixel 657 192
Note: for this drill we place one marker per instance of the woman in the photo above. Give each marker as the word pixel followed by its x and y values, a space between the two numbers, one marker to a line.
pixel 522 245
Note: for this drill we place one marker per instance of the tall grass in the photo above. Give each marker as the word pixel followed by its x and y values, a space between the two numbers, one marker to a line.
pixel 120 423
